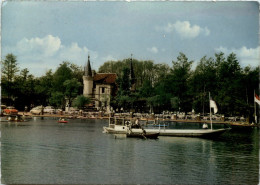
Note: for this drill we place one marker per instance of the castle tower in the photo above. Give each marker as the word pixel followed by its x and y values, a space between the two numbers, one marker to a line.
pixel 132 75
pixel 88 80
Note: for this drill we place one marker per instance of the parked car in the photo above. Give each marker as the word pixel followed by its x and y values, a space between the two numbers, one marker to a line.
pixel 10 110
pixel 58 111
pixel 36 110
pixel 49 109
pixel 73 110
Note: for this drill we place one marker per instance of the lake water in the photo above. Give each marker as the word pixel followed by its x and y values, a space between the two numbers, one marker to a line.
pixel 45 152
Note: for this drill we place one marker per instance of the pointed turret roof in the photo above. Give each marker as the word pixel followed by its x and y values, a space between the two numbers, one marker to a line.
pixel 87 70
pixel 132 75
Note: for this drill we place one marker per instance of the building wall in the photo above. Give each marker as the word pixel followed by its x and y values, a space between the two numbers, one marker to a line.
pixel 103 93
pixel 88 86
pixel 100 92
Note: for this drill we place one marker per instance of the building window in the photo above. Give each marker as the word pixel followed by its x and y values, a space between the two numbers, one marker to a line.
pixel 103 90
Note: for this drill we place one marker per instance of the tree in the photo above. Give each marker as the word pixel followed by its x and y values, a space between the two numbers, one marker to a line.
pixel 228 83
pixel 24 90
pixel 9 68
pixel 146 90
pixel 57 99
pixel 249 85
pixel 153 101
pixel 44 87
pixel 24 74
pixel 62 74
pixel 123 95
pixel 124 82
pixel 175 103
pixel 144 70
pixel 178 81
pixel 71 89
pixel 9 71
pixel 81 101
pixel 203 80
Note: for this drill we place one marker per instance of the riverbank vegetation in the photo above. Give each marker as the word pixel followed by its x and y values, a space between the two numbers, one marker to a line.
pixel 159 87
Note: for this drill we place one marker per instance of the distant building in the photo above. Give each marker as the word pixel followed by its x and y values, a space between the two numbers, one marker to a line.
pixel 99 87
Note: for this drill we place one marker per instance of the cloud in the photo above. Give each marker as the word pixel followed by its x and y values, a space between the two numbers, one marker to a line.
pixel 46 46
pixel 75 53
pixel 47 53
pixel 153 50
pixel 247 56
pixel 109 58
pixel 184 29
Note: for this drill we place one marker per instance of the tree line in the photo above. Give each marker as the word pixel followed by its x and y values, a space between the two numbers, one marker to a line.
pixel 158 87
pixel 21 89
pixel 161 87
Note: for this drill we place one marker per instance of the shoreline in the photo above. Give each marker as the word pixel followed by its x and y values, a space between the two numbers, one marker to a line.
pixel 154 120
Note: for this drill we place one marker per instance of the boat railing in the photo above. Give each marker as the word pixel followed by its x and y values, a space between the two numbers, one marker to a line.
pixel 120 121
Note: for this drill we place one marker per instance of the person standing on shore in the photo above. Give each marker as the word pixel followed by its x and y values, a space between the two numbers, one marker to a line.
pixel 137 121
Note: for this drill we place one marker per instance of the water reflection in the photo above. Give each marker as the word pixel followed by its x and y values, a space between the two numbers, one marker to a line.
pixel 43 152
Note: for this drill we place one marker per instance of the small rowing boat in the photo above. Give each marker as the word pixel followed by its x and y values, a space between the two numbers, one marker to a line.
pixel 62 120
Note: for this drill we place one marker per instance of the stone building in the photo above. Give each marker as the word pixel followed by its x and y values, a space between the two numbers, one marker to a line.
pixel 99 87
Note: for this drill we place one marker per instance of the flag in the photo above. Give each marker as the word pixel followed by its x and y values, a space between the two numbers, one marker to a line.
pixel 213 105
pixel 257 99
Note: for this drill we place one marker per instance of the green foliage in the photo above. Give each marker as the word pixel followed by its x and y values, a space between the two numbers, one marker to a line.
pixel 124 101
pixel 80 101
pixel 9 68
pixel 124 82
pixel 57 99
pixel 229 84
pixel 179 79
pixel 24 90
pixel 165 88
pixel 146 90
pixel 71 88
pixel 159 87
pixel 62 74
pixel 203 80
pixel 9 72
pixel 144 70
pixel 175 102
pixel 123 95
pixel 43 88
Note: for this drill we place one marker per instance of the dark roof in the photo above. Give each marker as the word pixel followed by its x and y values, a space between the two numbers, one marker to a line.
pixel 106 78
pixel 87 69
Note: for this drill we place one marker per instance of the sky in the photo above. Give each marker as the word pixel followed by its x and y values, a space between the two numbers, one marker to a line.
pixel 43 34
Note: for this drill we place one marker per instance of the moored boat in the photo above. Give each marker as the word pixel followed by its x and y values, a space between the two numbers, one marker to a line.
pixel 62 120
pixel 189 132
pixel 122 126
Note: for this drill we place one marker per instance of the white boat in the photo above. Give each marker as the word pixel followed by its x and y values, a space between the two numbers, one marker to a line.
pixel 188 132
pixel 122 126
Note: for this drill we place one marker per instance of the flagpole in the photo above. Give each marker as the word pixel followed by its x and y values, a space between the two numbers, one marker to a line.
pixel 255 108
pixel 210 113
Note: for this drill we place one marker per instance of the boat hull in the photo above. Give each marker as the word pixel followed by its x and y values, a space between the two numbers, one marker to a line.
pixel 188 133
pixel 143 136
pixel 62 121
pixel 120 130
pixel 172 132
